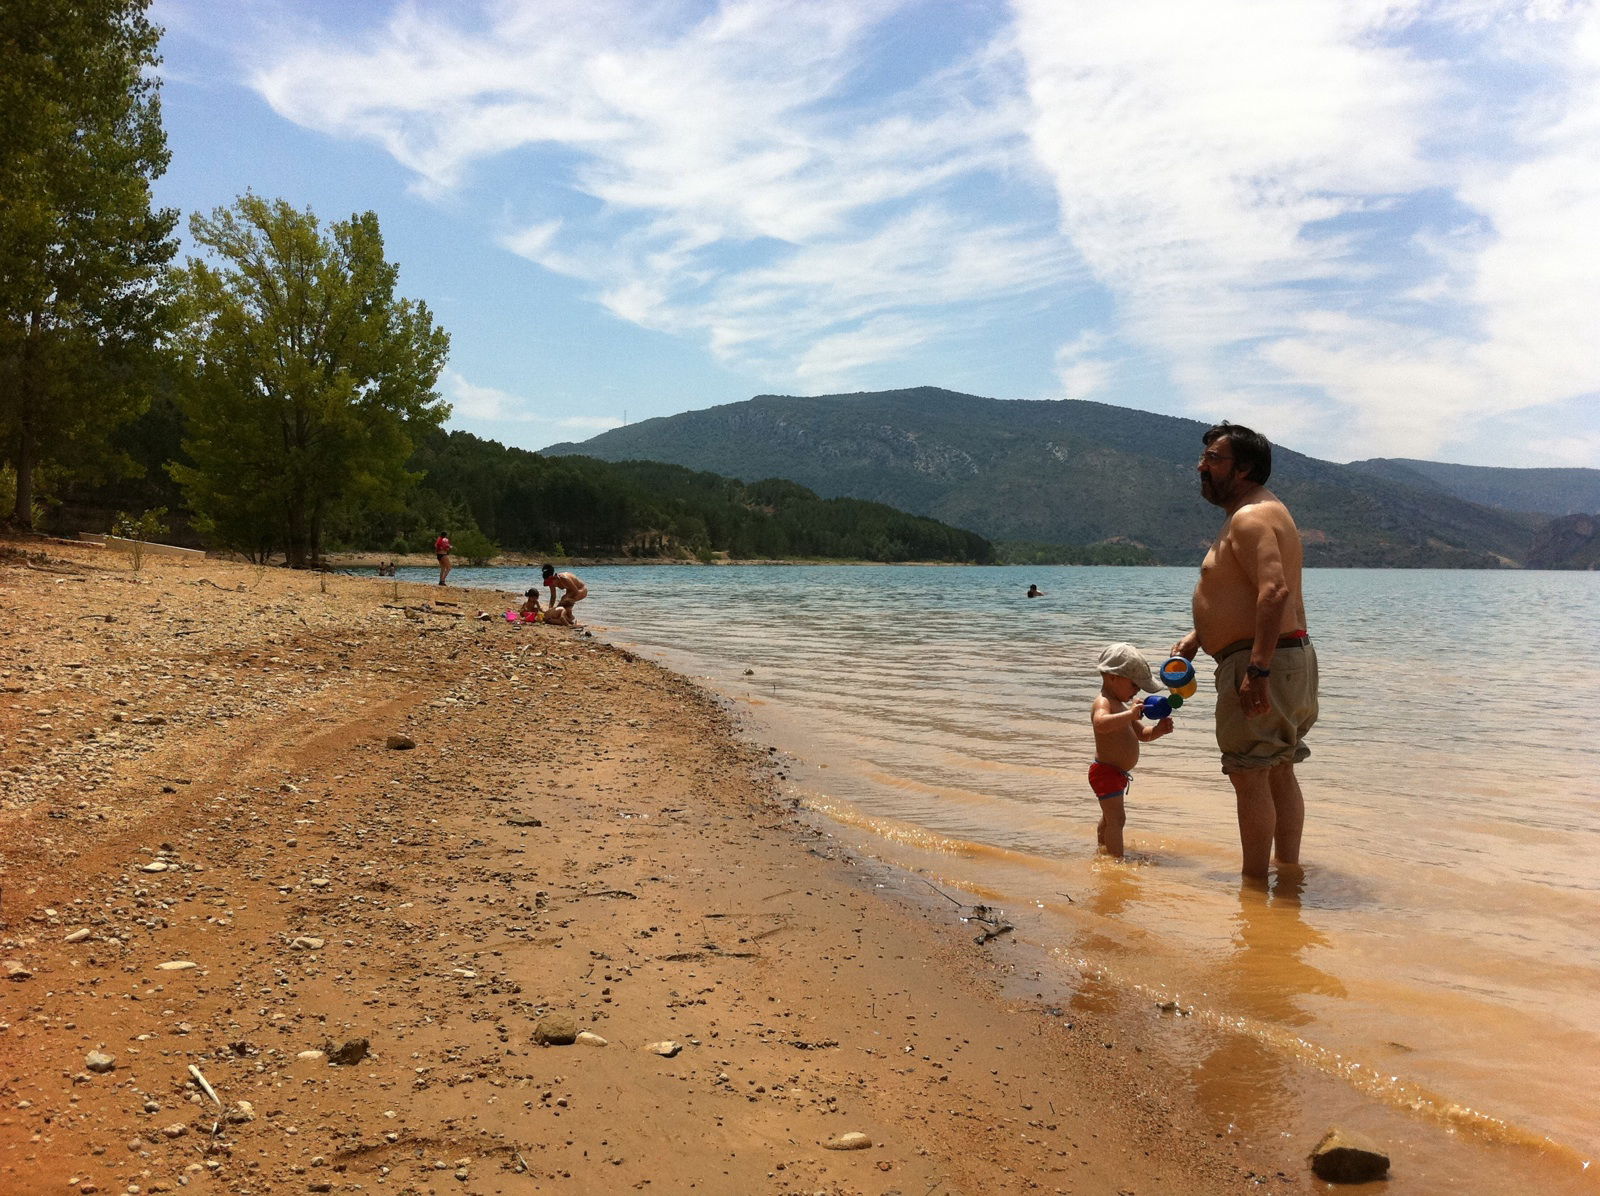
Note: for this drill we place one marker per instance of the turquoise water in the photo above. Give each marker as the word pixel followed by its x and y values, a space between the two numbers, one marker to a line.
pixel 1444 935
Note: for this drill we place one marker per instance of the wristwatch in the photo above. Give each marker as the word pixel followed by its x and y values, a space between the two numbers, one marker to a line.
pixel 1255 670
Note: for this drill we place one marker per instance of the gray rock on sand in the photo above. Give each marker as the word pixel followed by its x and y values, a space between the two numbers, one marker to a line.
pixel 559 1027
pixel 17 970
pixel 591 1039
pixel 666 1049
pixel 1346 1158
pixel 855 1140
pixel 99 1062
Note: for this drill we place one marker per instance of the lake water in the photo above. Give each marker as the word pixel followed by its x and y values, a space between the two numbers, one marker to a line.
pixel 1440 954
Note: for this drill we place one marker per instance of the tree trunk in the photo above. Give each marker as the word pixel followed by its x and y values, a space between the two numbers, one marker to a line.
pixel 22 516
pixel 28 385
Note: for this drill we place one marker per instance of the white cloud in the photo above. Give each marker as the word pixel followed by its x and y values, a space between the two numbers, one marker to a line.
pixel 1365 223
pixel 487 404
pixel 471 401
pixel 1084 365
pixel 1200 151
pixel 739 189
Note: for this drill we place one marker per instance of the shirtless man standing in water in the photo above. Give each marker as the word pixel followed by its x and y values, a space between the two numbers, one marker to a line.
pixel 1250 617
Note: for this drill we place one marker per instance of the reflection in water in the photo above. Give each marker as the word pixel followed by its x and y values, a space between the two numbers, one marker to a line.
pixel 1267 975
pixel 1245 1079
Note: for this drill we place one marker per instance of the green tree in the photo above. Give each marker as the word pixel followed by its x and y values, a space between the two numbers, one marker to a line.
pixel 475 547
pixel 307 377
pixel 82 254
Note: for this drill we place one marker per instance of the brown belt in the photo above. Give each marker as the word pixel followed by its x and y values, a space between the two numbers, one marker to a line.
pixel 1297 639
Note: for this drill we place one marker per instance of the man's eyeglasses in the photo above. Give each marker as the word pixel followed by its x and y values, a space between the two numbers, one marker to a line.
pixel 1211 457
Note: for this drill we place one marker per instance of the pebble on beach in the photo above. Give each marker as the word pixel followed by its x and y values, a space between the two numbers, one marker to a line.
pixel 352 1051
pixel 855 1140
pixel 99 1062
pixel 556 1028
pixel 1346 1158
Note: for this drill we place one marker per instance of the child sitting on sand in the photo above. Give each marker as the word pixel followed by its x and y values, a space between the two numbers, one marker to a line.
pixel 1117 736
pixel 555 616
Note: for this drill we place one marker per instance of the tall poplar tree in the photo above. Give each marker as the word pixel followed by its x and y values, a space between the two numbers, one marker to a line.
pixel 83 255
pixel 306 376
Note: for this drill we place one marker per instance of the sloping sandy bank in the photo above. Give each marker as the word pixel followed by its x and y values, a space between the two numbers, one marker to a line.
pixel 574 831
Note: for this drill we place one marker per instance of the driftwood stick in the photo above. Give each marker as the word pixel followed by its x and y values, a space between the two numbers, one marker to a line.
pixel 205 1085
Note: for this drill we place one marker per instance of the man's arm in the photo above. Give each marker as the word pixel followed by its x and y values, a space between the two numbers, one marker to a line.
pixel 1187 646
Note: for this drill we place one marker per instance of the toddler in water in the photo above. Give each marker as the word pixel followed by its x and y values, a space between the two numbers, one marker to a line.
pixel 1117 736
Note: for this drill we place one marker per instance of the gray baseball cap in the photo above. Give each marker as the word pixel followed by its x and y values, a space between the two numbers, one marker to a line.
pixel 1124 660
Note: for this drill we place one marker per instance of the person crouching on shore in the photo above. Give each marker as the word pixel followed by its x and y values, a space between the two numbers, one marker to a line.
pixel 572 590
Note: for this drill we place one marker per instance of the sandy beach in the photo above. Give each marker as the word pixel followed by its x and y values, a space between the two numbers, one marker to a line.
pixel 217 871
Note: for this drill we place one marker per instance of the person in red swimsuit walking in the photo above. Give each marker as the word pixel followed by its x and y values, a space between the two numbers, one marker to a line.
pixel 441 549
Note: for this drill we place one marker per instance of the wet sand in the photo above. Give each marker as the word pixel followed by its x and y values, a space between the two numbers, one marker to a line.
pixel 574 832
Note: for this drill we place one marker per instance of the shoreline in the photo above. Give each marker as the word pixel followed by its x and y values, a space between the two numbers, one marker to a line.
pixel 575 830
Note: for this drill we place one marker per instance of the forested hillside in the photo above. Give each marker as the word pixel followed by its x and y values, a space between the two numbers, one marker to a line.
pixel 1544 491
pixel 489 496
pixel 1063 472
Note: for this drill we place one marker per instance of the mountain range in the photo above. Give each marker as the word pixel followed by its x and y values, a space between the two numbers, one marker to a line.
pixel 1074 472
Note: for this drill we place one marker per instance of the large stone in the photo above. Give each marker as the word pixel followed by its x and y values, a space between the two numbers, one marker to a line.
pixel 854 1140
pixel 559 1027
pixel 351 1052
pixel 1346 1158
pixel 100 1062
pixel 400 743
pixel 666 1049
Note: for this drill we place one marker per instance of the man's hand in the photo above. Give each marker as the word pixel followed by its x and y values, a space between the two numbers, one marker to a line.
pixel 1187 646
pixel 1255 696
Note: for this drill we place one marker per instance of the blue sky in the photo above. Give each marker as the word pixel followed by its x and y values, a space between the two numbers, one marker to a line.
pixel 1366 227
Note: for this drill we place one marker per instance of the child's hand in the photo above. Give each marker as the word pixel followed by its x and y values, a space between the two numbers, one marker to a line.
pixel 1164 727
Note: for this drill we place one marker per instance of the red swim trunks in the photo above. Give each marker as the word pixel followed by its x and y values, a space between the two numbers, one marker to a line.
pixel 1107 781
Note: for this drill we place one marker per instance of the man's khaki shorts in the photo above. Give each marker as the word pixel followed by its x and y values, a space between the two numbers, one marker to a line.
pixel 1278 736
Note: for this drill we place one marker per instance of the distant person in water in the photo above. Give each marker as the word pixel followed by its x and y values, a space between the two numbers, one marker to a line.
pixel 572 589
pixel 441 549
pixel 1118 732
pixel 1035 592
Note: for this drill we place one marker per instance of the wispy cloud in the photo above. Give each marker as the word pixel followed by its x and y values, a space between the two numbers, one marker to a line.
pixel 1217 167
pixel 470 401
pixel 1367 223
pixel 739 187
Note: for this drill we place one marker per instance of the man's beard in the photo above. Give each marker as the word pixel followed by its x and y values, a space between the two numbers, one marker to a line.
pixel 1215 495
